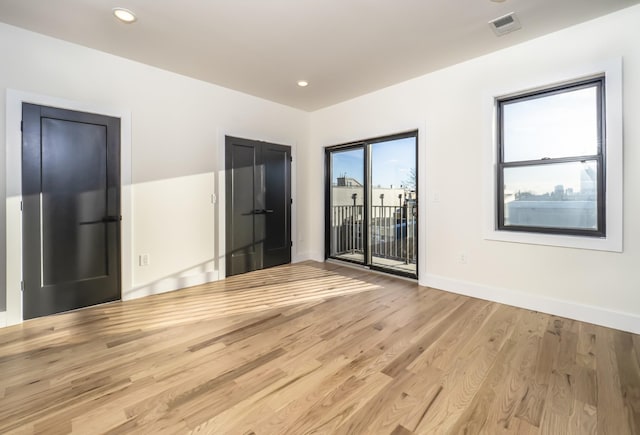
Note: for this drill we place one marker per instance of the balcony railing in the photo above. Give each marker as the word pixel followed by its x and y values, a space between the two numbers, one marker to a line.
pixel 393 231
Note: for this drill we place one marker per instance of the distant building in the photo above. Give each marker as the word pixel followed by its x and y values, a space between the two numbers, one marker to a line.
pixel 561 208
pixel 342 194
pixel 348 182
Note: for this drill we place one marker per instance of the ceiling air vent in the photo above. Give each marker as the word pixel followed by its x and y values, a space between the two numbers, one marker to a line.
pixel 505 24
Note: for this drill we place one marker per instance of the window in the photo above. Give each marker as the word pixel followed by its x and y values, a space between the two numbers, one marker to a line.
pixel 551 160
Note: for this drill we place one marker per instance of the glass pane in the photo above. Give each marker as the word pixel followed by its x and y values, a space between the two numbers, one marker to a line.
pixel 560 125
pixel 393 211
pixel 347 202
pixel 559 195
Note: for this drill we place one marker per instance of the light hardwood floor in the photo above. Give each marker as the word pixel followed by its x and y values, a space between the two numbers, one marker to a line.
pixel 316 348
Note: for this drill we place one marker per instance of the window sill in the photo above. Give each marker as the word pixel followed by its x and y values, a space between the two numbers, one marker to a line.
pixel 611 244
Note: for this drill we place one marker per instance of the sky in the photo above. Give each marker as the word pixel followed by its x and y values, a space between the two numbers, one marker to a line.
pixel 391 163
pixel 553 126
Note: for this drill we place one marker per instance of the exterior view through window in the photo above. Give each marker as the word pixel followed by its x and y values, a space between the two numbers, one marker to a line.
pixel 550 160
pixel 371 210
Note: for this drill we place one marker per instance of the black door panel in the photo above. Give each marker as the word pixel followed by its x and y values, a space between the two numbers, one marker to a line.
pixel 73 192
pixel 277 245
pixel 71 189
pixel 244 185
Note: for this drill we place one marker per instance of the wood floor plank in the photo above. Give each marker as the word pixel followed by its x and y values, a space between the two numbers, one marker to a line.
pixel 474 417
pixel 338 406
pixel 629 374
pixel 284 398
pixel 249 411
pixel 613 415
pixel 512 388
pixel 469 372
pixel 442 353
pixel 585 349
pixel 401 430
pixel 441 324
pixel 392 405
pixel 584 419
pixel 316 348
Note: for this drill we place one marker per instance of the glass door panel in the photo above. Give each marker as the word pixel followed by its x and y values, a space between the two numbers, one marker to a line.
pixel 392 205
pixel 346 209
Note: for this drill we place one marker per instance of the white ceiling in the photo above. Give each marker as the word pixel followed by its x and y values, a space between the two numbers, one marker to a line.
pixel 344 48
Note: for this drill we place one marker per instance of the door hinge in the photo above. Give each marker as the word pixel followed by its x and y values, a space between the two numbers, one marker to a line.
pixel 291 241
pixel 290 158
pixel 21 285
pixel 291 199
pixel 21 125
pixel 21 206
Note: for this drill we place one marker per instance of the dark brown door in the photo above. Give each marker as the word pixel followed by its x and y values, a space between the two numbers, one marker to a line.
pixel 71 209
pixel 258 206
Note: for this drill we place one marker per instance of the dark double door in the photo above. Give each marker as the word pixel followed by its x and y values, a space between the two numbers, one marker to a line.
pixel 71 209
pixel 258 205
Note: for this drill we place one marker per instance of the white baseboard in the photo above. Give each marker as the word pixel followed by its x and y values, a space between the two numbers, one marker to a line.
pixel 585 313
pixel 305 256
pixel 3 319
pixel 317 256
pixel 170 284
pixel 300 257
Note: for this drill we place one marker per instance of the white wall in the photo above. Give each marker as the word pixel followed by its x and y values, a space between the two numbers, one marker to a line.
pixel 449 108
pixel 177 131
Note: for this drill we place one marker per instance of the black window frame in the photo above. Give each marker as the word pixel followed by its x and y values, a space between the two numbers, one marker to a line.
pixel 599 158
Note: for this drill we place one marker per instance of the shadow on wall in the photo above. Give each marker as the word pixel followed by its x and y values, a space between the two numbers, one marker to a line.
pixel 202 273
pixel 175 223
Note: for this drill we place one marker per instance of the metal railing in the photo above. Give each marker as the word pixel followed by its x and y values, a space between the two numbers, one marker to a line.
pixel 392 231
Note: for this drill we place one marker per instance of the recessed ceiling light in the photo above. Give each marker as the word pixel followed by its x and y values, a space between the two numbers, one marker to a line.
pixel 124 15
pixel 303 83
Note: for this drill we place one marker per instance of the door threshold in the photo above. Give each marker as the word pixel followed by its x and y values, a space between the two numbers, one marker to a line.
pixel 368 268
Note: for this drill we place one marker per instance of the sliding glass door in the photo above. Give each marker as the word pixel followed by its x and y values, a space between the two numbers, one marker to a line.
pixel 371 207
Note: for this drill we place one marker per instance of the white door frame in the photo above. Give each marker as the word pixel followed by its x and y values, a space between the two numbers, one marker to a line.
pixel 222 134
pixel 14 191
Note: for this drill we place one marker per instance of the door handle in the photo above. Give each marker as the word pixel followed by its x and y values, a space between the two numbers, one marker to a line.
pixel 258 211
pixel 268 211
pixel 112 219
pixel 104 220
